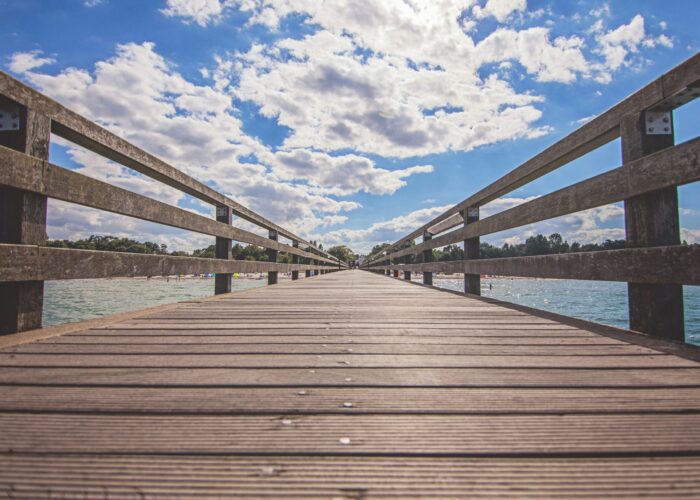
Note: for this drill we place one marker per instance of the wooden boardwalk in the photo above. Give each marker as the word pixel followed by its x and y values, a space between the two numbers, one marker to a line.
pixel 347 385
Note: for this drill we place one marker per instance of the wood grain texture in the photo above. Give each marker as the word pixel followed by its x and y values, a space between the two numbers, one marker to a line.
pixel 595 133
pixel 34 175
pixel 352 385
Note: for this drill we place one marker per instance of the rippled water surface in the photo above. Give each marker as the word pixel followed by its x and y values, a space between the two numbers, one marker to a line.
pixel 78 300
pixel 602 302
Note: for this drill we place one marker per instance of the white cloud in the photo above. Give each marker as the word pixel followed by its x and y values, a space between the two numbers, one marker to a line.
pixel 362 240
pixel 21 62
pixel 93 3
pixel 195 128
pixel 202 12
pixel 340 175
pixel 500 9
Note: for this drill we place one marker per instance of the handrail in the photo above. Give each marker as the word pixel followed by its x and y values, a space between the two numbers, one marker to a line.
pixel 27 179
pixel 654 263
pixel 673 89
pixel 75 128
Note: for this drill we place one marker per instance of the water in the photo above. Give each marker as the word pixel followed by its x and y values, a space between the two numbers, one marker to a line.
pixel 599 301
pixel 67 301
pixel 602 302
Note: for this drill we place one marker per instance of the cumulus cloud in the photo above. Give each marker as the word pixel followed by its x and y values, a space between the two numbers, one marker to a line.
pixel 201 12
pixel 500 9
pixel 387 231
pixel 21 62
pixel 195 128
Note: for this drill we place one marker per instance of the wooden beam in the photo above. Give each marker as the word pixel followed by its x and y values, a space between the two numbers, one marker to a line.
pixel 597 132
pixel 222 281
pixel 681 166
pixel 30 174
pixel 651 219
pixel 272 257
pixel 23 262
pixel 83 132
pixel 664 264
pixel 472 282
pixel 23 218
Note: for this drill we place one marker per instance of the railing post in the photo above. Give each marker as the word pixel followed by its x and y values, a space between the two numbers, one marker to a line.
pixel 427 258
pixel 652 220
pixel 22 216
pixel 222 282
pixel 272 257
pixel 472 282
pixel 295 260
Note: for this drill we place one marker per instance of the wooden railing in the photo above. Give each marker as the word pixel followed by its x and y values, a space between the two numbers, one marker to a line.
pixel 654 263
pixel 27 179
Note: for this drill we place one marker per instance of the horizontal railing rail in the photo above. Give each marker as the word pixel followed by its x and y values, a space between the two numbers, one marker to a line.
pixel 27 179
pixel 672 90
pixel 654 263
pixel 31 174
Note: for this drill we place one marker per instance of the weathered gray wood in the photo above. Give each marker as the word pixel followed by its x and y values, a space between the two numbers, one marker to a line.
pixel 272 257
pixel 427 258
pixel 681 166
pixel 79 130
pixel 295 260
pixel 222 281
pixel 19 262
pixel 30 174
pixel 597 132
pixel 472 282
pixel 675 264
pixel 652 219
pixel 23 220
pixel 381 399
pixel 95 476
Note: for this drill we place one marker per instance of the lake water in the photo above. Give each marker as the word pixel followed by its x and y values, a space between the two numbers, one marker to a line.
pixel 67 301
pixel 602 302
pixel 599 301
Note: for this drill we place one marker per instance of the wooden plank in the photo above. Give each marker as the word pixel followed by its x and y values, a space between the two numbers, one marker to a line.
pixel 22 262
pixel 463 435
pixel 34 175
pixel 337 360
pixel 662 264
pixel 595 133
pixel 168 349
pixel 347 400
pixel 634 178
pixel 353 377
pixel 115 337
pixel 79 130
pixel 23 220
pixel 138 476
pixel 652 219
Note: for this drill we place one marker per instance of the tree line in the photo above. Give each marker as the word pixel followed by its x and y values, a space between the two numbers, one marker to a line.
pixel 534 245
pixel 239 252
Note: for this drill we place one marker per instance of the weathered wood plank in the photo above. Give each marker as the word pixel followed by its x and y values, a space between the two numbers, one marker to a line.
pixel 114 476
pixel 22 262
pixel 337 349
pixel 79 130
pixel 672 264
pixel 635 178
pixel 354 377
pixel 597 132
pixel 34 175
pixel 464 435
pixel 347 400
pixel 337 360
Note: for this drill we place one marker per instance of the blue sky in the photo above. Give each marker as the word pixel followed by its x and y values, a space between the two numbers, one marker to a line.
pixel 348 121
